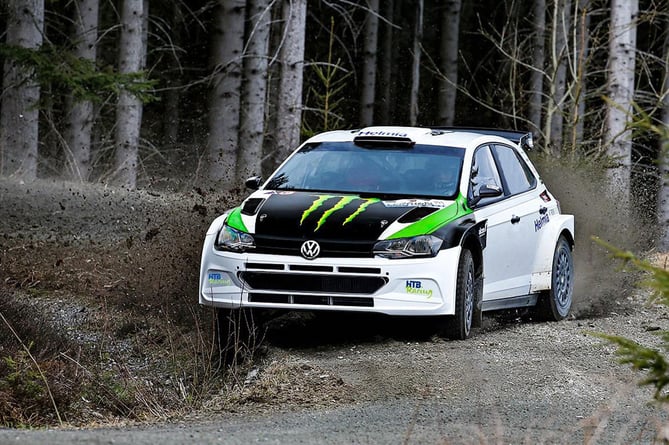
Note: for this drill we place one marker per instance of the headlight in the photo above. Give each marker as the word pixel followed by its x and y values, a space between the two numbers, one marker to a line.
pixel 424 245
pixel 234 240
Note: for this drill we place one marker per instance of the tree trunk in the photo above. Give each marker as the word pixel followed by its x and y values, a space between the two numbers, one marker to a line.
pixel 289 110
pixel 663 195
pixel 19 120
pixel 172 97
pixel 582 50
pixel 79 118
pixel 132 54
pixel 386 65
pixel 415 66
pixel 448 85
pixel 555 116
pixel 224 103
pixel 254 91
pixel 538 59
pixel 368 77
pixel 622 51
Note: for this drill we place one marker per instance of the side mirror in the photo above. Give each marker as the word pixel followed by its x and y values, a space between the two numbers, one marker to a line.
pixel 254 182
pixel 489 191
pixel 485 191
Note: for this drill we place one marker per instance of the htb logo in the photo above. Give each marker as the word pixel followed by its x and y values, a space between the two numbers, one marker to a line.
pixel 414 284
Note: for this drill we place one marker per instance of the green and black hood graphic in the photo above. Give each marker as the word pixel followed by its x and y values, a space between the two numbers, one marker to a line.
pixel 342 217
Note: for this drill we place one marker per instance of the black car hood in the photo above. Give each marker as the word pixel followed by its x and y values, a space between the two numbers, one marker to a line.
pixel 329 216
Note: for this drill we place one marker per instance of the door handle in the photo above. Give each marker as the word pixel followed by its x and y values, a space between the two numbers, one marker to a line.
pixel 543 210
pixel 515 219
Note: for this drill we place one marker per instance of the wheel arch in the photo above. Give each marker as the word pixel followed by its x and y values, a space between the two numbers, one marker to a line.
pixel 472 241
pixel 560 225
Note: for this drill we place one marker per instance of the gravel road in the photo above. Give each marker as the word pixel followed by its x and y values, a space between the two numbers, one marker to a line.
pixel 365 380
pixel 511 383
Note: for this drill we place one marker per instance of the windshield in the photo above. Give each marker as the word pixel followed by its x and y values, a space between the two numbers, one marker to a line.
pixel 419 170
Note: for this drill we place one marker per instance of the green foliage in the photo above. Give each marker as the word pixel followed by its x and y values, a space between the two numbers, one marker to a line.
pixel 61 69
pixel 21 377
pixel 651 361
pixel 327 96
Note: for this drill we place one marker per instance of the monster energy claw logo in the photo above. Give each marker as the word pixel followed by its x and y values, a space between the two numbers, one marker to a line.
pixel 339 205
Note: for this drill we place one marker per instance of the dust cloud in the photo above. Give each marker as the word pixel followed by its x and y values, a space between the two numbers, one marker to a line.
pixel 601 286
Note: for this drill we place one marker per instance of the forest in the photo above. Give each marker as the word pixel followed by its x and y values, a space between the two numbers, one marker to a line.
pixel 142 93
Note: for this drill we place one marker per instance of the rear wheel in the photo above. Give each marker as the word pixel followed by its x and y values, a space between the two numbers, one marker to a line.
pixel 460 326
pixel 555 304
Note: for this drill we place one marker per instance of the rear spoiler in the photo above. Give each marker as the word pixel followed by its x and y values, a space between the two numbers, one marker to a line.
pixel 522 138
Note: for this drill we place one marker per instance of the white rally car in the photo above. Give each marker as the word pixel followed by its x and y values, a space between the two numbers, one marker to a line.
pixel 400 221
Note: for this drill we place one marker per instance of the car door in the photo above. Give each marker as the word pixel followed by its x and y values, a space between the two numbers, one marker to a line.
pixel 511 237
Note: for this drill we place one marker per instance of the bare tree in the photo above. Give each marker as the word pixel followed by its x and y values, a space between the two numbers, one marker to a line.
pixel 386 65
pixel 538 59
pixel 448 83
pixel 79 117
pixel 561 23
pixel 132 53
pixel 415 64
pixel 224 101
pixel 621 66
pixel 579 63
pixel 19 120
pixel 289 109
pixel 368 77
pixel 663 195
pixel 254 90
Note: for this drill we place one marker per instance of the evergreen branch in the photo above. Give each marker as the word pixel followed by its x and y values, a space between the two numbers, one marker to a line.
pixel 643 359
pixel 81 77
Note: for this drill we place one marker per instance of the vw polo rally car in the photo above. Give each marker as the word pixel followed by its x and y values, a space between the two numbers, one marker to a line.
pixel 399 221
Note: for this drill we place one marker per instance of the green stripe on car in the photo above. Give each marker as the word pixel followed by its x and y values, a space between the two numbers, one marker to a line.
pixel 435 220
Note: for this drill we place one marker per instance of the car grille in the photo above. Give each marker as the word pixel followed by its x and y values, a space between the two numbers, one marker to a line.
pixel 316 300
pixel 293 282
pixel 329 249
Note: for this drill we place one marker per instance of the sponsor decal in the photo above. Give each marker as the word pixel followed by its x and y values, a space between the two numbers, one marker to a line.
pixel 396 134
pixel 483 233
pixel 437 203
pixel 415 287
pixel 315 205
pixel 339 205
pixel 218 279
pixel 361 209
pixel 539 223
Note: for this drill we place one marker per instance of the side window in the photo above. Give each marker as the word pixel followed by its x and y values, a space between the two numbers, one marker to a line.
pixel 484 172
pixel 518 177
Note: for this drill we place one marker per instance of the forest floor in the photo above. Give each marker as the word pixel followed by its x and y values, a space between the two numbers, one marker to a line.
pixel 98 297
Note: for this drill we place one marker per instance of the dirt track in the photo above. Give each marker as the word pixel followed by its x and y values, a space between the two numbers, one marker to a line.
pixel 340 379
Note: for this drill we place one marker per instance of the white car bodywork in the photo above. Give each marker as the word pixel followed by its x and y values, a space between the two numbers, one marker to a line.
pixel 518 234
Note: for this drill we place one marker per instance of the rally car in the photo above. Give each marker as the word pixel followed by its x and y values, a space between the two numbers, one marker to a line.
pixel 396 220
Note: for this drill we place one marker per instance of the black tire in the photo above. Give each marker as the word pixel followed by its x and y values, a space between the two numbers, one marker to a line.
pixel 555 304
pixel 460 325
pixel 239 333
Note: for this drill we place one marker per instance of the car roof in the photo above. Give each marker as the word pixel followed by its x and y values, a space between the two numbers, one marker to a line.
pixel 446 136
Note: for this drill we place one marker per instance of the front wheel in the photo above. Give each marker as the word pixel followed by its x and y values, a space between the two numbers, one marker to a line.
pixel 460 325
pixel 556 303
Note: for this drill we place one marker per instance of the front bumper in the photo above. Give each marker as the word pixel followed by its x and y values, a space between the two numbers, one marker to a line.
pixel 421 286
